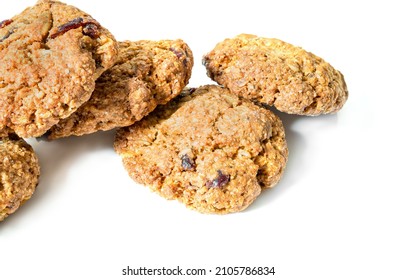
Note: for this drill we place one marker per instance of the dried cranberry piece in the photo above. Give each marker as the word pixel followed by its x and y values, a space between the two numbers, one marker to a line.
pixel 90 28
pixel 6 22
pixel 178 53
pixel 187 163
pixel 75 23
pixel 220 181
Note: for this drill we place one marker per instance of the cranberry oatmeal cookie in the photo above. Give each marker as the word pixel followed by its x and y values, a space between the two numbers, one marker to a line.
pixel 19 173
pixel 276 73
pixel 211 150
pixel 51 54
pixel 146 73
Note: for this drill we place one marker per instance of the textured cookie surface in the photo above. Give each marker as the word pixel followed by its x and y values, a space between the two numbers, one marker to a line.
pixel 276 73
pixel 210 150
pixel 19 173
pixel 147 73
pixel 51 54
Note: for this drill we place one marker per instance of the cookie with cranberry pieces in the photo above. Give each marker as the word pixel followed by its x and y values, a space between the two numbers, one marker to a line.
pixel 207 148
pixel 146 73
pixel 51 54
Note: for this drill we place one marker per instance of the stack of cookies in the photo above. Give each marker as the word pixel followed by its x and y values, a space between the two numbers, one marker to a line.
pixel 214 148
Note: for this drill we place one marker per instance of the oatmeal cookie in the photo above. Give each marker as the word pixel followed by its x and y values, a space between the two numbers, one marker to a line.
pixel 51 54
pixel 210 149
pixel 146 73
pixel 19 173
pixel 276 73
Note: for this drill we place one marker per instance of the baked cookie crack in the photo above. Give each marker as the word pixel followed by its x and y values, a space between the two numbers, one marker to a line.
pixel 46 30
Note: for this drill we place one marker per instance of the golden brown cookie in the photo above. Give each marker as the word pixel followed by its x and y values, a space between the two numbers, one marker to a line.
pixel 211 150
pixel 276 73
pixel 147 73
pixel 51 54
pixel 19 173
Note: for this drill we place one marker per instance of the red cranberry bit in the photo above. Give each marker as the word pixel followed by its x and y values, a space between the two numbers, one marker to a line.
pixel 75 23
pixel 187 163
pixel 178 53
pixel 89 28
pixel 221 180
pixel 6 22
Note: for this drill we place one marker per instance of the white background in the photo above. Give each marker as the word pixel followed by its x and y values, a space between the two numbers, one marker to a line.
pixel 332 216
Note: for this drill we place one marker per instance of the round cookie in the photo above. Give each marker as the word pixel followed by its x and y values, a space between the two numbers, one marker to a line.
pixel 276 73
pixel 211 150
pixel 51 54
pixel 146 73
pixel 19 173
